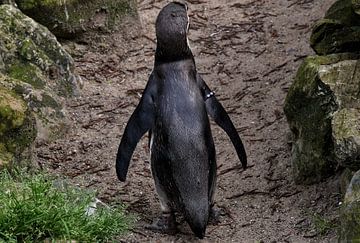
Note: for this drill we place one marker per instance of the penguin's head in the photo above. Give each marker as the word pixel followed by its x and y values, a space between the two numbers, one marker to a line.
pixel 172 26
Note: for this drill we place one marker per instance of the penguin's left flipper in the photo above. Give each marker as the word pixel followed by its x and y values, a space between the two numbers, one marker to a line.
pixel 139 123
pixel 217 112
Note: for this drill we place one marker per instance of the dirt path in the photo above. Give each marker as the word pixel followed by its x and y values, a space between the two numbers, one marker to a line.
pixel 248 52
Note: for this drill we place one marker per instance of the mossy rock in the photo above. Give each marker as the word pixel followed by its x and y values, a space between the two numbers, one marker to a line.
pixel 350 212
pixel 70 19
pixel 312 100
pixel 46 106
pixel 331 36
pixel 343 11
pixel 31 53
pixel 17 128
pixel 343 79
pixel 35 66
pixel 339 31
pixel 356 6
pixel 346 137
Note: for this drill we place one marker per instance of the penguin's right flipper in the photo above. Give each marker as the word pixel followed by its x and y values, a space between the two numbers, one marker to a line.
pixel 220 116
pixel 139 123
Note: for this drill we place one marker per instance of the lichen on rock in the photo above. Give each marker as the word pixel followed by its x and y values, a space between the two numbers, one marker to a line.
pixel 343 79
pixel 27 46
pixel 36 75
pixel 346 137
pixel 17 128
pixel 324 88
pixel 37 68
pixel 69 19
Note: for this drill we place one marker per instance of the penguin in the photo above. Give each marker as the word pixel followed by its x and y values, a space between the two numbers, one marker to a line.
pixel 174 108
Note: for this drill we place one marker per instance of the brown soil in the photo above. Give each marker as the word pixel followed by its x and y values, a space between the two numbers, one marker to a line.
pixel 248 52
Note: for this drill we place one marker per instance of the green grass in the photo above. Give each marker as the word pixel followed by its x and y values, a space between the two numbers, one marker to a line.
pixel 32 210
pixel 323 225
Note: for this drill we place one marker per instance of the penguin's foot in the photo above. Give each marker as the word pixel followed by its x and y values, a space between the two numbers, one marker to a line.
pixel 165 224
pixel 214 216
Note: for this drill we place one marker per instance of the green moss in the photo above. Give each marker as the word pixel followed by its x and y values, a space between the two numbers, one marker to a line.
pixel 35 54
pixel 12 110
pixel 28 73
pixel 17 127
pixel 20 138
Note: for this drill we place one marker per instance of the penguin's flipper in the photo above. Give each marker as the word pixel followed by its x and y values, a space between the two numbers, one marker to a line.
pixel 139 123
pixel 220 116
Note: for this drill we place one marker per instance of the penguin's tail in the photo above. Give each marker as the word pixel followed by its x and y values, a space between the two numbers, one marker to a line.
pixel 197 216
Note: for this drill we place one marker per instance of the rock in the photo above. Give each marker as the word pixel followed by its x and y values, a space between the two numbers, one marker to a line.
pixel 345 180
pixel 36 75
pixel 346 137
pixel 69 19
pixel 32 54
pixel 35 66
pixel 356 6
pixel 350 212
pixel 343 79
pixel 331 36
pixel 12 2
pixel 325 87
pixel 17 128
pixel 92 208
pixel 343 11
pixel 339 31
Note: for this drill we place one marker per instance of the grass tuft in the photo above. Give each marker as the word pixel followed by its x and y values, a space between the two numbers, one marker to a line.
pixel 323 225
pixel 33 209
